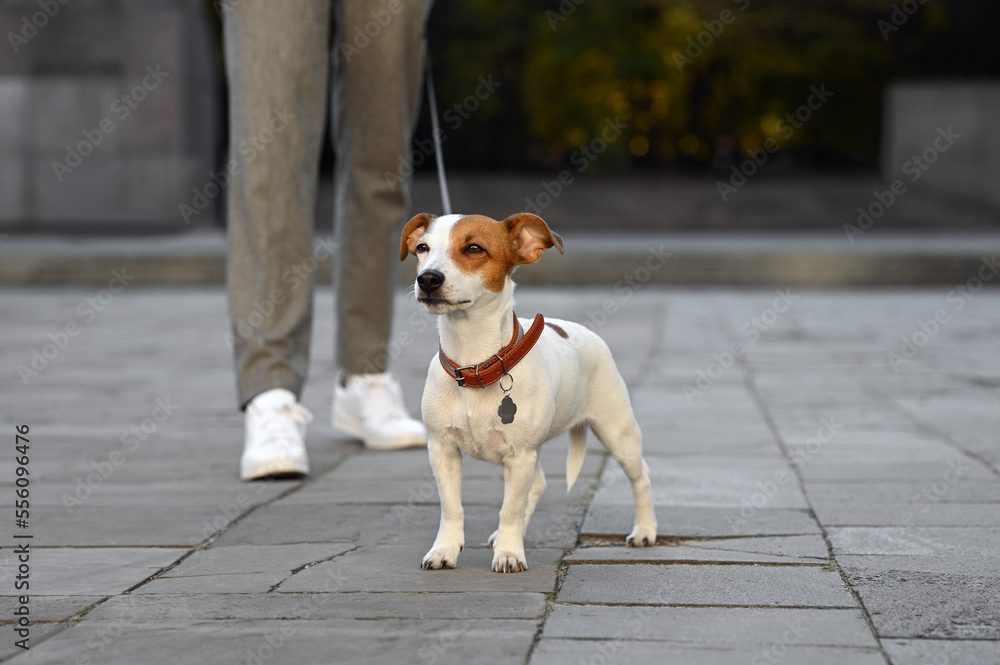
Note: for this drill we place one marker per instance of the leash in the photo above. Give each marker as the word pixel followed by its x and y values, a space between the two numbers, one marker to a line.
pixel 436 135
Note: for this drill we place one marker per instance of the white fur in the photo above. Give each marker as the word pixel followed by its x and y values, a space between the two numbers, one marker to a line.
pixel 561 384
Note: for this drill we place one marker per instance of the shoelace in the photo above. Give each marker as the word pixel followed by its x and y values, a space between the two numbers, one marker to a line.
pixel 277 422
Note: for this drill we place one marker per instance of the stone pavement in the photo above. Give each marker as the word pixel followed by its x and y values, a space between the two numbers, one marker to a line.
pixel 824 467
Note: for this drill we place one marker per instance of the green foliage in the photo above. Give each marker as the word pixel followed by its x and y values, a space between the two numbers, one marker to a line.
pixel 692 79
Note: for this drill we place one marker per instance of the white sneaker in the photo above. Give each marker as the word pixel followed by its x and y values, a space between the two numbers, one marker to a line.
pixel 371 408
pixel 275 429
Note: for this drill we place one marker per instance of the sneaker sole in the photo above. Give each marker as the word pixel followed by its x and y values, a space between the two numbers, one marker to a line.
pixel 274 468
pixel 396 444
pixel 352 428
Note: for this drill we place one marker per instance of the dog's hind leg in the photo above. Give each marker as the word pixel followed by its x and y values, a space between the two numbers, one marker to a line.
pixel 614 424
pixel 538 486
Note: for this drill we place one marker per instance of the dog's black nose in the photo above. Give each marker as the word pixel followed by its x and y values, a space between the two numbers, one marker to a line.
pixel 430 280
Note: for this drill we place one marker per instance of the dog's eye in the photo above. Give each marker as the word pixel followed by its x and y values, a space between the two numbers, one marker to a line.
pixel 474 249
pixel 421 248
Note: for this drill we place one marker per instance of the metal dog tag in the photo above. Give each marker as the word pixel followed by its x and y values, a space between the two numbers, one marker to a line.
pixel 506 410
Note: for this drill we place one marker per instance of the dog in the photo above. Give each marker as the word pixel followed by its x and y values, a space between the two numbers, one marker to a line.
pixel 496 391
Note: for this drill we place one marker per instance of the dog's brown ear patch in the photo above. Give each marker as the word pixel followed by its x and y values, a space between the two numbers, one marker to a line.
pixel 415 228
pixel 530 236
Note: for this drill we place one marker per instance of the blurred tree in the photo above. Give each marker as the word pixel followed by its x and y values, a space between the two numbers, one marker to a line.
pixel 697 82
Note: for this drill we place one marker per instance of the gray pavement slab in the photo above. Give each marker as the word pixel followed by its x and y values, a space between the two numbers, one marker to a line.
pixel 963 543
pixel 572 652
pixel 702 521
pixel 745 553
pixel 49 609
pixel 96 571
pixel 922 513
pixel 913 493
pixel 725 627
pixel 924 582
pixel 918 652
pixel 736 586
pixel 241 568
pixel 904 602
pixel 225 642
pixel 397 568
pixel 709 482
pixel 123 526
pixel 399 524
pixel 334 605
pixel 788 549
pixel 40 632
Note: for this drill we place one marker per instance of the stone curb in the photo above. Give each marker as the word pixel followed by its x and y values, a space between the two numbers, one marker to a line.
pixel 590 260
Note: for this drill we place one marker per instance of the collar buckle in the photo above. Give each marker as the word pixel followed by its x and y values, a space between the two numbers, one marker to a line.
pixel 460 379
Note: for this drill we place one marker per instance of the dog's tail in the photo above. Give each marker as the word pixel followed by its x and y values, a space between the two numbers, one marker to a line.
pixel 577 450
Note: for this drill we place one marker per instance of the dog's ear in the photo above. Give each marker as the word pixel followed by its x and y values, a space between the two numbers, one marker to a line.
pixel 415 228
pixel 530 236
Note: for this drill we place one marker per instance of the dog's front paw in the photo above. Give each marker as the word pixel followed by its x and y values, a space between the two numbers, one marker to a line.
pixel 641 536
pixel 509 562
pixel 441 557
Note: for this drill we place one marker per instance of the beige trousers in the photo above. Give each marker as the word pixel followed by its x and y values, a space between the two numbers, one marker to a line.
pixel 279 60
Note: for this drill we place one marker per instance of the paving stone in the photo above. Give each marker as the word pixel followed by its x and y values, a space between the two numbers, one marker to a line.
pixel 95 571
pixel 711 626
pixel 573 652
pixel 397 569
pixel 279 524
pixel 241 568
pixel 553 524
pixel 936 605
pixel 790 549
pixel 46 609
pixel 889 469
pixel 125 526
pixel 733 585
pixel 420 491
pixel 923 514
pixel 39 633
pixel 701 521
pixel 152 494
pixel 414 464
pixel 952 652
pixel 871 493
pixel 912 585
pixel 717 437
pixel 963 542
pixel 709 481
pixel 824 359
pixel 349 605
pixel 322 642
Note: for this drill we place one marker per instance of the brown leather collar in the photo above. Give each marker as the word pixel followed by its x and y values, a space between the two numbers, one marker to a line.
pixel 490 371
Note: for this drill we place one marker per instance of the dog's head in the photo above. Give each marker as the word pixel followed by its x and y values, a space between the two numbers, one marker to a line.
pixel 463 257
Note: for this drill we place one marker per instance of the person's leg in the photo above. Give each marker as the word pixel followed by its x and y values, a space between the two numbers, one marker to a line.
pixel 378 58
pixel 375 101
pixel 277 66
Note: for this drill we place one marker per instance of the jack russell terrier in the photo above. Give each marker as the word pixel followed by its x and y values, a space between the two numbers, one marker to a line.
pixel 497 392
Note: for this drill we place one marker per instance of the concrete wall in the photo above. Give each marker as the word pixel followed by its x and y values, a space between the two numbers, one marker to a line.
pixel 109 112
pixel 920 145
